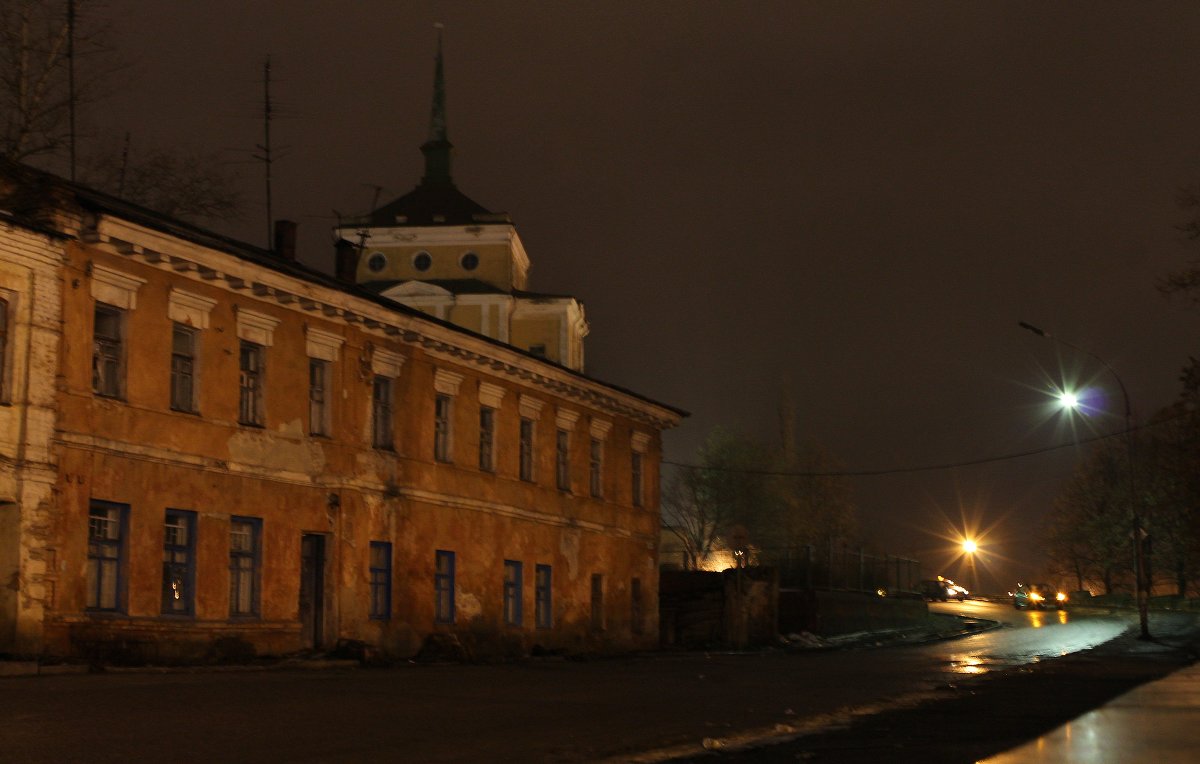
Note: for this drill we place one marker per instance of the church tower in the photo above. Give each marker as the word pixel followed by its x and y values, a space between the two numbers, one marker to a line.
pixel 437 250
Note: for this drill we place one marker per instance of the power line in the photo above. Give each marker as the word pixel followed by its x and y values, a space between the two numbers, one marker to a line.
pixel 927 467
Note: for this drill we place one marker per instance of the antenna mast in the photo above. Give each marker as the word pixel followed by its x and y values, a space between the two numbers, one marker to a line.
pixel 71 81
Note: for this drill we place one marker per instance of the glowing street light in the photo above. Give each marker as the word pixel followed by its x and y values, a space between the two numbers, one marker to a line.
pixel 969 546
pixel 1141 585
pixel 1068 399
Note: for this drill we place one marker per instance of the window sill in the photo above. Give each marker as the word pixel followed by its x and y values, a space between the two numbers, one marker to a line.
pixel 254 425
pixel 190 412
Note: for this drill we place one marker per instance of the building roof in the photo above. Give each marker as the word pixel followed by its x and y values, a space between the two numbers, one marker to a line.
pixel 431 204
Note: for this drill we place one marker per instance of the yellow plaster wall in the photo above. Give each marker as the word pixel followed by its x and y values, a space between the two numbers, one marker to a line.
pixel 495 263
pixel 527 332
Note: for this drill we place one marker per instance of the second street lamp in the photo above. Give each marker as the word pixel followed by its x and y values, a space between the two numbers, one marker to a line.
pixel 1139 558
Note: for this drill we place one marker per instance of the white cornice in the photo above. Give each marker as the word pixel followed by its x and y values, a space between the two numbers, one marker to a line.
pixel 565 419
pixel 321 344
pixel 599 428
pixel 246 279
pixel 490 395
pixel 189 308
pixel 386 363
pixel 256 327
pixel 530 407
pixel 446 382
pixel 115 287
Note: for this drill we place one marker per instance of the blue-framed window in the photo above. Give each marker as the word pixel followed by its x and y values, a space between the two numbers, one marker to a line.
pixel 245 565
pixel 179 563
pixel 542 600
pixel 381 580
pixel 513 604
pixel 443 586
pixel 107 524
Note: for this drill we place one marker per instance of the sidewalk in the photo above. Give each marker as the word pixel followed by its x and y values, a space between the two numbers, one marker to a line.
pixel 1157 722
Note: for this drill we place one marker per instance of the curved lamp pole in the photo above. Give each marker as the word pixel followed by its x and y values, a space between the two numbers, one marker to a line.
pixel 1139 558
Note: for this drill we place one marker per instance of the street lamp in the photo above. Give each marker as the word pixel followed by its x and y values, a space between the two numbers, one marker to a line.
pixel 969 548
pixel 1069 400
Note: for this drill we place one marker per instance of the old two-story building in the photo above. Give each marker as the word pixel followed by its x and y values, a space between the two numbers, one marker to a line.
pixel 205 443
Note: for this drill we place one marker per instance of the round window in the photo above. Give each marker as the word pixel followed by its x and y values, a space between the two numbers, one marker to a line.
pixel 470 261
pixel 377 262
pixel 422 261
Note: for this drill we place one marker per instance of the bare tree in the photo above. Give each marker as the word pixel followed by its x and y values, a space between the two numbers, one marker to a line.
pixel 180 183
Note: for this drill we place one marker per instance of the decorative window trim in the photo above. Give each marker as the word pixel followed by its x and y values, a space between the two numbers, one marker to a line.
pixel 599 428
pixel 447 382
pixel 114 287
pixel 321 344
pixel 386 363
pixel 189 308
pixel 256 327
pixel 530 407
pixel 565 419
pixel 490 395
pixel 640 441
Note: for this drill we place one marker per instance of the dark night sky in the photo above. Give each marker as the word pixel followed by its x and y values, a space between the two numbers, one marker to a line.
pixel 857 201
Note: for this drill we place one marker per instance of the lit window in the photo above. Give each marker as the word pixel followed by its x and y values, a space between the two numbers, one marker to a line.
pixel 244 563
pixel 107 351
pixel 250 382
pixel 183 367
pixel 443 587
pixel 105 555
pixel 179 562
pixel 381 412
pixel 512 593
pixel 381 580
pixel 487 438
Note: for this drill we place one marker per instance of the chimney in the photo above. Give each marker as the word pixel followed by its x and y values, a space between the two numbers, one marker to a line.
pixel 285 240
pixel 346 261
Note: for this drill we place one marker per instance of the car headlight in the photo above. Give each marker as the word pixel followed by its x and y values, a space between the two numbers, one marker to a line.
pixel 1060 597
pixel 1035 597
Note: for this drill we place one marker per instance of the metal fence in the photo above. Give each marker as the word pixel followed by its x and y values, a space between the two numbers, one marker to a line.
pixel 846 569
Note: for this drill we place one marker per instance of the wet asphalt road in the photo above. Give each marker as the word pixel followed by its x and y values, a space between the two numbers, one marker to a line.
pixel 543 710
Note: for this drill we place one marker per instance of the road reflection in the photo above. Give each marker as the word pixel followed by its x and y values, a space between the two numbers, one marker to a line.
pixel 1025 636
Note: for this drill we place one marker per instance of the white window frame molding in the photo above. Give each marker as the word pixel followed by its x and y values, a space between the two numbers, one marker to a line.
pixel 640 442
pixel 256 327
pixel 530 407
pixel 599 428
pixel 490 395
pixel 447 382
pixel 114 287
pixel 189 308
pixel 386 363
pixel 565 419
pixel 321 344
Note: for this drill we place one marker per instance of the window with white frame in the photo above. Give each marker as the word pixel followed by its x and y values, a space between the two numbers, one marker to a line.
pixel 245 562
pixel 381 413
pixel 251 367
pixel 106 555
pixel 318 396
pixel 108 351
pixel 184 340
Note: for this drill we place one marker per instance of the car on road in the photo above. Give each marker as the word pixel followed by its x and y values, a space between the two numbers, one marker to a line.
pixel 942 589
pixel 1038 597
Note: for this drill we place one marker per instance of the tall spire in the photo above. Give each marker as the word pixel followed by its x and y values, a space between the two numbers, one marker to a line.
pixel 438 147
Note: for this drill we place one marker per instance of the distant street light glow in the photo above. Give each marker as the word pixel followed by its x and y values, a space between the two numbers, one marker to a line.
pixel 1068 399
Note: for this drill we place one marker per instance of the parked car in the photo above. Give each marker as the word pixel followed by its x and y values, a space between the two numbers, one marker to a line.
pixel 942 589
pixel 1038 597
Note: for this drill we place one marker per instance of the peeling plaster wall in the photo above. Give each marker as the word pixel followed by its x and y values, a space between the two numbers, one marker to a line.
pixel 140 453
pixel 30 282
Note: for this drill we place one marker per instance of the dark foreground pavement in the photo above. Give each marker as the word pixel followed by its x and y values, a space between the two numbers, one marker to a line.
pixel 987 715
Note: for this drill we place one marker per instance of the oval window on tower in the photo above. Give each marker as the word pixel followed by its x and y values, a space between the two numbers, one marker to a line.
pixel 470 261
pixel 422 261
pixel 376 262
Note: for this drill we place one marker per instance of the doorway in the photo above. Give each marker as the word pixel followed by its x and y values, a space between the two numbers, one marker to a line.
pixel 312 589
